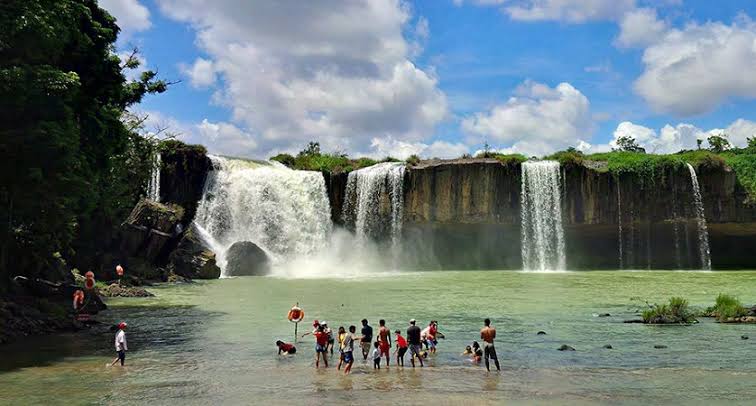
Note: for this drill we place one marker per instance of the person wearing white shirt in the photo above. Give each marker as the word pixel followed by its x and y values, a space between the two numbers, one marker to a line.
pixel 120 344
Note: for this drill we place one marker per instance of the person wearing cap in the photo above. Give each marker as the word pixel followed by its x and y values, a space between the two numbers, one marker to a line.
pixel 120 344
pixel 415 345
pixel 329 333
pixel 315 328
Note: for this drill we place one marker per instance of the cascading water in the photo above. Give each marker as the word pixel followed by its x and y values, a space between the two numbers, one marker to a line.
pixel 285 212
pixel 541 211
pixel 374 202
pixel 703 232
pixel 153 186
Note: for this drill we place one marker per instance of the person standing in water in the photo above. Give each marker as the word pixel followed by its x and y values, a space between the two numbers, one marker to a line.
pixel 401 348
pixel 120 344
pixel 415 345
pixel 366 343
pixel 488 334
pixel 384 337
pixel 376 356
pixel 349 349
pixel 321 345
pixel 341 336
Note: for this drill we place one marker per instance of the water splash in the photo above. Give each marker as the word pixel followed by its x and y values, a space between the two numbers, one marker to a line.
pixel 285 212
pixel 543 245
pixel 374 202
pixel 703 232
pixel 153 186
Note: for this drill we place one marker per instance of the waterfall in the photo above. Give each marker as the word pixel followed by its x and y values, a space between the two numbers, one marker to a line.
pixel 374 202
pixel 541 211
pixel 153 186
pixel 703 232
pixel 285 212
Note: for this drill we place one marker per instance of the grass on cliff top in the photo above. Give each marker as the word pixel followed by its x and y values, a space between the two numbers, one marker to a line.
pixel 506 159
pixel 333 163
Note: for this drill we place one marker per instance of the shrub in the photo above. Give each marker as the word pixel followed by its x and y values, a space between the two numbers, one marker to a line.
pixel 413 159
pixel 727 307
pixel 675 312
pixel 570 157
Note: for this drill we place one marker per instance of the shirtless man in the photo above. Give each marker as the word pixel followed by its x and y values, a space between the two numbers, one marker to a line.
pixel 488 334
pixel 384 337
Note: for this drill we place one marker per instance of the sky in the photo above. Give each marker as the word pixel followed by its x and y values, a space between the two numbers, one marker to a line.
pixel 441 78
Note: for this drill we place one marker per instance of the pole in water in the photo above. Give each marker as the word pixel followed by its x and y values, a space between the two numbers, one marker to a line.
pixel 295 332
pixel 296 314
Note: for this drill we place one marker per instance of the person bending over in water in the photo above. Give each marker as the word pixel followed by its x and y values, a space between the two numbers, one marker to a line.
pixel 401 348
pixel 384 337
pixel 286 348
pixel 120 344
pixel 376 355
pixel 321 343
pixel 474 352
pixel 488 334
pixel 349 348
pixel 413 336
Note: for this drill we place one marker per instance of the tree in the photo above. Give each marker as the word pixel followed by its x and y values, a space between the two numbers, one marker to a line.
pixel 62 141
pixel 698 143
pixel 628 144
pixel 312 149
pixel 751 143
pixel 718 143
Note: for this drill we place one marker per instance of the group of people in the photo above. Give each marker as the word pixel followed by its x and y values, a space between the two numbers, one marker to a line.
pixel 419 343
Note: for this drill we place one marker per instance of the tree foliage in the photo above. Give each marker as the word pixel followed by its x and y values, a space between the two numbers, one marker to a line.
pixel 718 143
pixel 67 158
pixel 628 144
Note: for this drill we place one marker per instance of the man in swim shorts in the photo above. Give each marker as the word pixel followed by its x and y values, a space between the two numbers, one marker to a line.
pixel 415 345
pixel 384 337
pixel 488 334
pixel 366 343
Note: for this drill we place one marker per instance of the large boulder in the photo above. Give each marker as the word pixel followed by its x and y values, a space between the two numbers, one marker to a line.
pixel 192 260
pixel 149 229
pixel 245 258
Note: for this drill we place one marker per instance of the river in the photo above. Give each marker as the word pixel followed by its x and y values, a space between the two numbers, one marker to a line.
pixel 213 343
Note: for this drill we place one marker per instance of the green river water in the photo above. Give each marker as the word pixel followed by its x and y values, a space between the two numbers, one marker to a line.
pixel 213 343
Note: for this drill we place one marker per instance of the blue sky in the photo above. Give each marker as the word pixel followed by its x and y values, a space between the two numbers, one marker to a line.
pixel 441 77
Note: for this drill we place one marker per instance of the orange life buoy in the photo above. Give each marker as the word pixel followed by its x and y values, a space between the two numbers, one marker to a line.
pixel 296 314
pixel 119 270
pixel 89 282
pixel 78 299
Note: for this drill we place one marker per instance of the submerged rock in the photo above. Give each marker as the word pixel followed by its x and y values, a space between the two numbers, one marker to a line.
pixel 192 260
pixel 605 315
pixel 541 333
pixel 660 346
pixel 116 290
pixel 608 347
pixel 743 337
pixel 566 347
pixel 245 258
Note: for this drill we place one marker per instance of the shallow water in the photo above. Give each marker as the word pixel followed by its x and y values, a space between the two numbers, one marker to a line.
pixel 212 343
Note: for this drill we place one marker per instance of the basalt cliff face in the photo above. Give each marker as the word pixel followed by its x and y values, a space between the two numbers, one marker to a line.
pixel 465 214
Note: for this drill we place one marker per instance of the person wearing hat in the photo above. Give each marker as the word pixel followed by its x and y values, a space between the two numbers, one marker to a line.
pixel 415 344
pixel 315 328
pixel 120 344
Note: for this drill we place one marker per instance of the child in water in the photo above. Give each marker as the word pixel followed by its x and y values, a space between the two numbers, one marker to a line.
pixel 474 352
pixel 285 348
pixel 376 355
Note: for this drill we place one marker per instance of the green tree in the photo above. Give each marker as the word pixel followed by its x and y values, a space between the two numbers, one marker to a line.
pixel 718 143
pixel 628 144
pixel 751 143
pixel 312 149
pixel 63 145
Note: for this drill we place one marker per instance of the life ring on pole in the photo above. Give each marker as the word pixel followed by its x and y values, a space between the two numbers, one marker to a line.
pixel 296 314
pixel 119 270
pixel 89 282
pixel 78 299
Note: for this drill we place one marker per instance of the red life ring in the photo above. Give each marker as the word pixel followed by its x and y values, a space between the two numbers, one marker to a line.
pixel 119 270
pixel 89 282
pixel 78 299
pixel 295 315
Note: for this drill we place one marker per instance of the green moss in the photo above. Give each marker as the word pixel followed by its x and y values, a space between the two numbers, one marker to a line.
pixel 510 159
pixel 674 312
pixel 567 158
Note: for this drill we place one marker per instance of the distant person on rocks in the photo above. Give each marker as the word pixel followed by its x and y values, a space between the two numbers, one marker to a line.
pixel 321 342
pixel 286 348
pixel 384 337
pixel 488 334
pixel 415 345
pixel 349 348
pixel 120 344
pixel 367 339
pixel 401 348
pixel 376 355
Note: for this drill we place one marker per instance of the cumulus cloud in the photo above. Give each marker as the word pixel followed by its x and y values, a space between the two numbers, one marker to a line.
pixel 337 72
pixel 383 147
pixel 201 73
pixel 131 15
pixel 693 70
pixel 639 28
pixel 537 120
pixel 570 11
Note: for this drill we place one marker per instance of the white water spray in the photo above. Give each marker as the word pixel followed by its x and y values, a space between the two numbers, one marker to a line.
pixel 542 232
pixel 703 232
pixel 153 186
pixel 374 202
pixel 285 212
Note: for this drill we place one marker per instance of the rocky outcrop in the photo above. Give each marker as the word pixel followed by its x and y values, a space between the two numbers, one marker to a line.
pixel 245 258
pixel 117 290
pixel 336 188
pixel 191 259
pixel 182 175
pixel 149 229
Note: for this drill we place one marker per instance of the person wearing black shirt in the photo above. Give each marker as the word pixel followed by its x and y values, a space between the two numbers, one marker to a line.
pixel 413 338
pixel 366 343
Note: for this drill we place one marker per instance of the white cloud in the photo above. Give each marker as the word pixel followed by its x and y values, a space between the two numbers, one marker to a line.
pixel 570 11
pixel 422 29
pixel 226 139
pixel 640 27
pixel 201 73
pixel 693 70
pixel 339 73
pixel 383 147
pixel 671 139
pixel 537 121
pixel 130 15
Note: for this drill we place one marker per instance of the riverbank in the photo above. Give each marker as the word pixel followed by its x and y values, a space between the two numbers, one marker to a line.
pixel 213 342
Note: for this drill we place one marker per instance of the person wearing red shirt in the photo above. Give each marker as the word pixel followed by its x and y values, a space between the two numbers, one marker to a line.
pixel 401 348
pixel 321 344
pixel 285 348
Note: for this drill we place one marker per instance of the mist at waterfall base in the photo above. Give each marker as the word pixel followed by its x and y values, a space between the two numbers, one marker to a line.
pixel 286 213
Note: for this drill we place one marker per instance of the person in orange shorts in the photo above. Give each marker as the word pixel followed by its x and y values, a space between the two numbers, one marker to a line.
pixel 384 338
